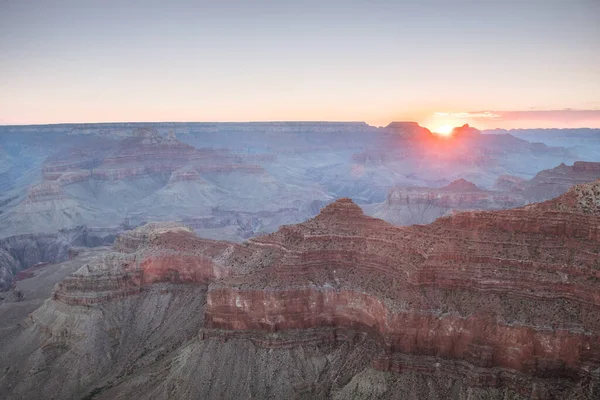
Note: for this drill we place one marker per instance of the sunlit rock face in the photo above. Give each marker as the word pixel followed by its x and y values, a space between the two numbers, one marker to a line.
pixel 506 303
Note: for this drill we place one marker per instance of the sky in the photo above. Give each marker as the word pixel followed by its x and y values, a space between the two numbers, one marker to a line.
pixel 492 64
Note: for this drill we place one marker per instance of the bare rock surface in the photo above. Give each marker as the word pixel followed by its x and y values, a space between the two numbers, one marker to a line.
pixel 481 304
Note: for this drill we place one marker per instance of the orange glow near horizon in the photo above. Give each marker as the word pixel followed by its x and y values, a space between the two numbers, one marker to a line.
pixel 443 130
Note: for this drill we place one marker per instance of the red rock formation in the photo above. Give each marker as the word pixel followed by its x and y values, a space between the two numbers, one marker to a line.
pixel 585 166
pixel 157 252
pixel 509 297
pixel 493 290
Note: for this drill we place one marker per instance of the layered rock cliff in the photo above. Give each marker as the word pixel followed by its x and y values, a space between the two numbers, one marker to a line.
pixel 503 303
pixel 499 291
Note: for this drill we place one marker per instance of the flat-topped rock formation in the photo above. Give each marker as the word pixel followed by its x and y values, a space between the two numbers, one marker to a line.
pixel 408 130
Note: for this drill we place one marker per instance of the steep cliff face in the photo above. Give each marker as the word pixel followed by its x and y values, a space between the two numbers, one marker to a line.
pixel 492 290
pixel 504 304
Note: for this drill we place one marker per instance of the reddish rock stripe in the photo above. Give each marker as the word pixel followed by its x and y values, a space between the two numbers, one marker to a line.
pixel 512 347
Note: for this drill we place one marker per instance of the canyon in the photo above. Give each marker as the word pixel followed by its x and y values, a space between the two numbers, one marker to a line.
pixel 234 181
pixel 479 304
pixel 238 260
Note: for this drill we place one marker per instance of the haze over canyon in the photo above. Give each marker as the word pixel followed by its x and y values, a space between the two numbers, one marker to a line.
pixel 302 246
pixel 298 260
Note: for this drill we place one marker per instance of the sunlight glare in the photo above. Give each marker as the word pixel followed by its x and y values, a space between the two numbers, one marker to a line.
pixel 444 130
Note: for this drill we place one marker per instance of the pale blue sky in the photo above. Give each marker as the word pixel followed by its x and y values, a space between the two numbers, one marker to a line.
pixel 377 61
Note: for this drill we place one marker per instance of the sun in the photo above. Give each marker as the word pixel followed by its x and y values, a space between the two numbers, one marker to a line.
pixel 444 130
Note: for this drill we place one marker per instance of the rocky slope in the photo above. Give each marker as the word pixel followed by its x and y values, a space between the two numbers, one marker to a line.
pixel 500 304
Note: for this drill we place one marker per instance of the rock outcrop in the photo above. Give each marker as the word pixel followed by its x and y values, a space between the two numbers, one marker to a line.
pixel 408 130
pixel 156 252
pixel 420 205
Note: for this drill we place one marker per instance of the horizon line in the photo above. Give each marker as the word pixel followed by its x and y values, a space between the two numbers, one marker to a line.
pixel 268 122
